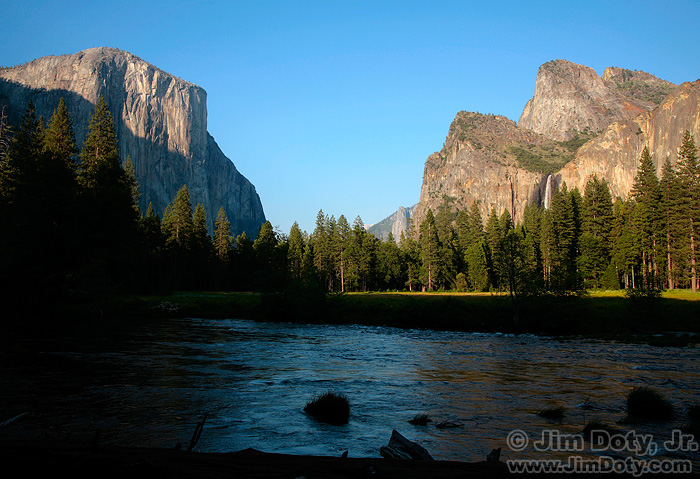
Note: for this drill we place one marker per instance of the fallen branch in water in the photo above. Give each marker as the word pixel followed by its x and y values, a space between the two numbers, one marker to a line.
pixel 197 433
pixel 10 421
pixel 448 424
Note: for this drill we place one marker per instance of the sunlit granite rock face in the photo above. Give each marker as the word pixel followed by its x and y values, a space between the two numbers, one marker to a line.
pixel 161 122
pixel 614 154
pixel 490 159
pixel 478 163
pixel 571 98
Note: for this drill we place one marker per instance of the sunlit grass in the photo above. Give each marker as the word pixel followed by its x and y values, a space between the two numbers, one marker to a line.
pixel 669 320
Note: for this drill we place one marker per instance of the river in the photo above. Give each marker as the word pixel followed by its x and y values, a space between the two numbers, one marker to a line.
pixel 149 383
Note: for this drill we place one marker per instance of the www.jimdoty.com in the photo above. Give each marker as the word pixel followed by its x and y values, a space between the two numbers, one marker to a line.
pixel 628 453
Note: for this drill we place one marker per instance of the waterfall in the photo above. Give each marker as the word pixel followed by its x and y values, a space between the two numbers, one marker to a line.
pixel 548 192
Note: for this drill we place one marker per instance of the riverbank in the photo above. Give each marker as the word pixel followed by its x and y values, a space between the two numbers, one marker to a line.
pixel 673 319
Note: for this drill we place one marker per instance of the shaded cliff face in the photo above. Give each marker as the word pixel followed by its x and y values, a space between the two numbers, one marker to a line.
pixel 614 154
pixel 481 161
pixel 571 98
pixel 160 120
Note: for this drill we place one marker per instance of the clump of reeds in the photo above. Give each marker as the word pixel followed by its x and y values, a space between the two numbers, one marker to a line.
pixel 420 420
pixel 330 407
pixel 646 403
pixel 597 425
pixel 556 413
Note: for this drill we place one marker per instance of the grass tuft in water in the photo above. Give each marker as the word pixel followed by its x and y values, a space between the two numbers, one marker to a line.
pixel 597 425
pixel 556 413
pixel 420 420
pixel 330 407
pixel 647 403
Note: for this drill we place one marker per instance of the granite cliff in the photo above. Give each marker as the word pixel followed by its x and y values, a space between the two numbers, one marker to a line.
pixel 160 120
pixel 488 158
pixel 614 154
pixel 577 124
pixel 572 99
pixel 396 224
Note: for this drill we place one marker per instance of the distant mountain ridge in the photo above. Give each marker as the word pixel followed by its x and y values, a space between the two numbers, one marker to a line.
pixel 160 120
pixel 396 224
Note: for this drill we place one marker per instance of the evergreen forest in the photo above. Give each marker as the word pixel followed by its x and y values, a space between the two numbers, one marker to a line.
pixel 72 230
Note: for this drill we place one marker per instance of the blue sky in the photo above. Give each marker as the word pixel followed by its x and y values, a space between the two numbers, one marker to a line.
pixel 336 105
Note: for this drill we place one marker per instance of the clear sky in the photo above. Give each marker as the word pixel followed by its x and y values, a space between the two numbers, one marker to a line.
pixel 336 105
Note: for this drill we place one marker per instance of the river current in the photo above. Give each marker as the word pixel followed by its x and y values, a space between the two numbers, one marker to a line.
pixel 148 384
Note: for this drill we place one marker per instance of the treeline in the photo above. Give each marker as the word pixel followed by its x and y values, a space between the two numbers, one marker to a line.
pixel 72 229
pixel 69 219
pixel 582 241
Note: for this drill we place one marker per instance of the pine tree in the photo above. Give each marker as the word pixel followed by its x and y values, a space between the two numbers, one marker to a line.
pixel 177 220
pixel 21 168
pixel 451 262
pixel 360 251
pixel 566 225
pixel 131 183
pixel 151 229
pixel 200 232
pixel 390 264
pixel 647 194
pixel 22 248
pixel 494 240
pixel 59 140
pixel 671 219
pixel 624 252
pixel 295 253
pixel 264 247
pixel 430 248
pixel 322 250
pixel 340 237
pixel 594 244
pixel 222 236
pixel 242 263
pixel 477 259
pixel 548 248
pixel 99 158
pixel 201 249
pixel 111 222
pixel 410 252
pixel 689 177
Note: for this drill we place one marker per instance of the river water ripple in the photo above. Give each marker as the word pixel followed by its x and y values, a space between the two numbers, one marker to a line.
pixel 149 384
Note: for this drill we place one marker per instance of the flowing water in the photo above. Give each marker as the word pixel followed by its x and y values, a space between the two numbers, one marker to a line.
pixel 149 384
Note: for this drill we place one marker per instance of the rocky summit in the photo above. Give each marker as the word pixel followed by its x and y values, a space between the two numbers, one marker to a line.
pixel 578 124
pixel 572 99
pixel 396 224
pixel 489 159
pixel 160 120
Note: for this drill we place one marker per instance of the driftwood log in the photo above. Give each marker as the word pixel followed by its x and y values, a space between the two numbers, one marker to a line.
pixel 401 448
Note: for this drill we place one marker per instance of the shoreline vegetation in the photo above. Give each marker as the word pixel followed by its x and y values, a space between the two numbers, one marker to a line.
pixel 670 319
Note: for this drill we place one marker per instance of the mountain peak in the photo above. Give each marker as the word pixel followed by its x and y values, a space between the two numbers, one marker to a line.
pixel 160 119
pixel 571 99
